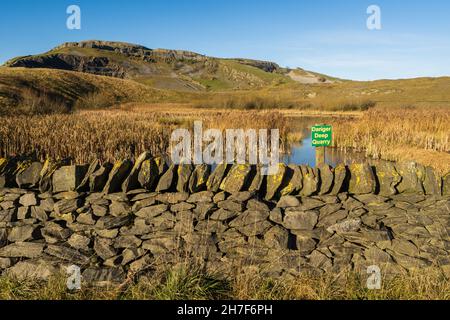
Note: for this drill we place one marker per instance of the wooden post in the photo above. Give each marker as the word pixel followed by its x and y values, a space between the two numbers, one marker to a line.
pixel 320 156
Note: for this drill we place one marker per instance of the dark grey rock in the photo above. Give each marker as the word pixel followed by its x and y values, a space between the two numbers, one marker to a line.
pixel 326 179
pixel 29 175
pixel 98 179
pixel 199 178
pixel 167 180
pixel 54 233
pixel 217 176
pixel 117 176
pixel 68 178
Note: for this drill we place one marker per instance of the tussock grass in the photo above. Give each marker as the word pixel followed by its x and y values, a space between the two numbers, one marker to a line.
pixel 188 283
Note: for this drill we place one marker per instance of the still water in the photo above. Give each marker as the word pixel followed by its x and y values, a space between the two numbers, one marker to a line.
pixel 304 153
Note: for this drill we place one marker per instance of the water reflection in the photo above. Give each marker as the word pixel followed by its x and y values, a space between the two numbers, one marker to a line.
pixel 304 153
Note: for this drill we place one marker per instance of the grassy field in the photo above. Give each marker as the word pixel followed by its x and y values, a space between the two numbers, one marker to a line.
pixel 192 284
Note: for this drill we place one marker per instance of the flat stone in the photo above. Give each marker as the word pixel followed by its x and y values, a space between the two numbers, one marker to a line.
pixel 310 203
pixel 21 234
pixel 388 178
pixel 231 205
pixel 22 250
pixel 184 172
pixel 151 170
pixel 340 175
pixel 132 180
pixel 99 178
pixel 300 220
pixel 167 180
pixel 152 211
pixel 223 215
pixel 67 206
pixel 68 254
pixel 79 242
pixel 39 214
pixel 413 175
pixel 349 225
pixel 32 270
pixel 110 222
pixel 278 181
pixel 376 255
pixel 326 179
pixel 54 233
pixel 28 200
pixel 204 196
pixel 305 245
pixel 117 208
pixel 295 183
pixel 182 206
pixel 126 242
pixel 104 249
pixel 288 201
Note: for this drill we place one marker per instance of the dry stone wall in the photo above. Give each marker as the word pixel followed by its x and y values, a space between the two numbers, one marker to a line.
pixel 116 221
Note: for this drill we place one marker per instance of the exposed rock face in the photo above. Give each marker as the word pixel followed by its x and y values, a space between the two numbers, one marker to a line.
pixel 306 225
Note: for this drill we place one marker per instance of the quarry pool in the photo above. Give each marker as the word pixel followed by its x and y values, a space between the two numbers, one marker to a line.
pixel 303 153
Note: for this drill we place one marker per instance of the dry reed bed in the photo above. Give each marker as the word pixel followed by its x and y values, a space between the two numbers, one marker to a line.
pixel 113 134
pixel 401 134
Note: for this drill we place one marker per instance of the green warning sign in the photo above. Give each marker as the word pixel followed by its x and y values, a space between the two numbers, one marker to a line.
pixel 321 135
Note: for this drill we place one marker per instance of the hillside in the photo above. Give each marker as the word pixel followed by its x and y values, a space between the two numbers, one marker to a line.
pixel 97 74
pixel 160 68
pixel 46 91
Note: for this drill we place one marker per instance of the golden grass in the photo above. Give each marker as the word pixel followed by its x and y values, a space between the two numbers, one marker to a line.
pixel 400 134
pixel 114 134
pixel 188 283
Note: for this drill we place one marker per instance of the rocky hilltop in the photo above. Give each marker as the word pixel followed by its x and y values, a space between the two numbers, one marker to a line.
pixel 169 69
pixel 161 68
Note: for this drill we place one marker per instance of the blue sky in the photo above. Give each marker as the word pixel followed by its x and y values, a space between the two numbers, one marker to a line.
pixel 321 35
